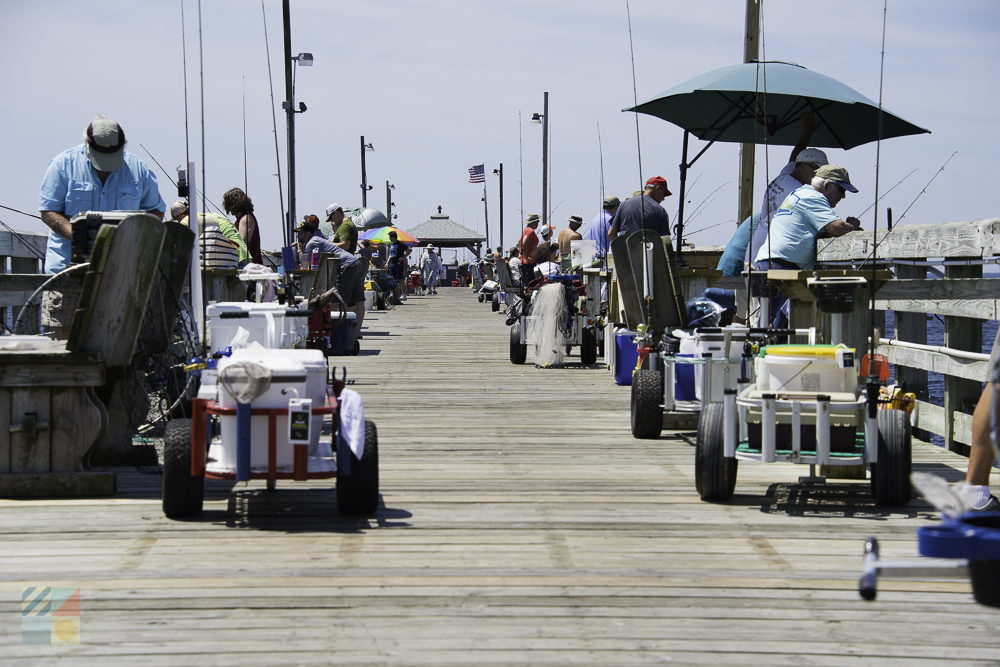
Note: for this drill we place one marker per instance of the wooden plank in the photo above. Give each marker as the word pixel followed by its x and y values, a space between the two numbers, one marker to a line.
pixel 960 333
pixel 936 362
pixel 22 282
pixel 977 238
pixel 15 245
pixel 935 419
pixel 57 369
pixel 948 289
pixel 982 309
pixel 57 484
pixel 77 421
pixel 29 430
pixel 5 450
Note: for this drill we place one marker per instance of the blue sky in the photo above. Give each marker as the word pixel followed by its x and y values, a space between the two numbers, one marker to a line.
pixel 437 86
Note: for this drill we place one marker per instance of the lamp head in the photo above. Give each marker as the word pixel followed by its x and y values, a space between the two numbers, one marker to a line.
pixel 304 59
pixel 537 117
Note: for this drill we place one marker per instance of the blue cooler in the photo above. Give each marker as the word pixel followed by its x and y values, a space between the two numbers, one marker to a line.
pixel 684 381
pixel 626 357
pixel 344 335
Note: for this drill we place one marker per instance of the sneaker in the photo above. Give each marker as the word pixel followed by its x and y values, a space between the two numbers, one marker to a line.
pixel 992 505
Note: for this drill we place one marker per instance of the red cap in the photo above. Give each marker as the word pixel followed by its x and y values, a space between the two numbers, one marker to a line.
pixel 660 181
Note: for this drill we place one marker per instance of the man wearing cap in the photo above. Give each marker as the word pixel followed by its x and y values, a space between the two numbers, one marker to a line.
pixel 566 237
pixel 528 243
pixel 350 282
pixel 430 267
pixel 97 175
pixel 599 226
pixel 643 211
pixel 804 215
pixel 345 232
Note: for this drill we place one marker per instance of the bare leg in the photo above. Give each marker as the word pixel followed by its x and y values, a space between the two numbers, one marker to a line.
pixel 981 455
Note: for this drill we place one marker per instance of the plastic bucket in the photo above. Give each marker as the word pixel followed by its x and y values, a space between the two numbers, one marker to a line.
pixel 626 357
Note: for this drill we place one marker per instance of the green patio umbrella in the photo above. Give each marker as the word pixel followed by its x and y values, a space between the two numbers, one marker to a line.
pixel 761 103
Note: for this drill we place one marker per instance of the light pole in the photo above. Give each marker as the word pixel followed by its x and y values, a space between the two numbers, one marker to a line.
pixel 543 118
pixel 364 174
pixel 499 171
pixel 389 187
pixel 306 60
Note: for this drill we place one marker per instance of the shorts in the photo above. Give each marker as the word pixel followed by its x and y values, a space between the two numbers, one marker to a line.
pixel 396 270
pixel 350 284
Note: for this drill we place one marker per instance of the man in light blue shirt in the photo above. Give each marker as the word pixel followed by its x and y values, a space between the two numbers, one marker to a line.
pixel 803 216
pixel 598 229
pixel 97 175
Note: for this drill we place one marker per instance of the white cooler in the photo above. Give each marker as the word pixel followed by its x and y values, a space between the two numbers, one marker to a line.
pixel 712 341
pixel 271 324
pixel 303 371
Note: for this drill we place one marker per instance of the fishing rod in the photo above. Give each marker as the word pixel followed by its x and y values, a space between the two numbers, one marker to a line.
pixel 887 192
pixel 646 301
pixel 919 194
pixel 705 229
pixel 201 75
pixel 20 237
pixel 699 208
pixel 246 182
pixel 274 120
pixel 187 130
pixel 872 376
pixel 30 215
pixel 687 193
pixel 171 179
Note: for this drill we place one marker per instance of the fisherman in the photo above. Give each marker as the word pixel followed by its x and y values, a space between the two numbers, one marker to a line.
pixel 179 211
pixel 565 239
pixel 350 282
pixel 752 232
pixel 430 267
pixel 237 203
pixel 643 211
pixel 528 243
pixel 804 215
pixel 345 232
pixel 599 226
pixel 545 234
pixel 97 175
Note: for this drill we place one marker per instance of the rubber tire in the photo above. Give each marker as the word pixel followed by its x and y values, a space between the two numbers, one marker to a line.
pixel 647 404
pixel 518 350
pixel 357 493
pixel 183 493
pixel 380 301
pixel 482 298
pixel 588 346
pixel 891 474
pixel 714 474
pixel 495 302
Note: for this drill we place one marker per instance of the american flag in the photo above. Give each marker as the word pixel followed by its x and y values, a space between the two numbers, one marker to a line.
pixel 477 174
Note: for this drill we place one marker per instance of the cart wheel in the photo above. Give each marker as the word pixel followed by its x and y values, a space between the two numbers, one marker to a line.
pixel 183 493
pixel 588 346
pixel 496 302
pixel 357 491
pixel 482 298
pixel 518 350
pixel 891 474
pixel 714 474
pixel 647 404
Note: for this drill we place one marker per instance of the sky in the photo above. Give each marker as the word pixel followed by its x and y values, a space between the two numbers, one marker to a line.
pixel 439 85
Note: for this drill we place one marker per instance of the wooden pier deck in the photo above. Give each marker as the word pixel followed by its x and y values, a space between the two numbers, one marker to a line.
pixel 522 524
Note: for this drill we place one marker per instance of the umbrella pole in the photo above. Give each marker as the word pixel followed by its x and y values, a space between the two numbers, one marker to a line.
pixel 680 205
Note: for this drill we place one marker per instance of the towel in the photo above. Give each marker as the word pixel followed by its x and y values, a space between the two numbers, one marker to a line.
pixel 351 421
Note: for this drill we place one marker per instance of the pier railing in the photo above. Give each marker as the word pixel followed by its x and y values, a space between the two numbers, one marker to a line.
pixel 939 271
pixel 19 254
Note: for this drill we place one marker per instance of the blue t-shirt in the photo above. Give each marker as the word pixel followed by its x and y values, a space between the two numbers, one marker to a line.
pixel 71 186
pixel 598 232
pixel 795 225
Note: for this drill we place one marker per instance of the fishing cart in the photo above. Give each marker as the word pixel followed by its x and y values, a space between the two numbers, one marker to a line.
pixel 804 405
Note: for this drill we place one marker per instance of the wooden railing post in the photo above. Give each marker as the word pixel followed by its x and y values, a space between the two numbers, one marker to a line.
pixel 961 333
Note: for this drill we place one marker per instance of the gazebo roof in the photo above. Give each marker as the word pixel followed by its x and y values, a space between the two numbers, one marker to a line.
pixel 442 231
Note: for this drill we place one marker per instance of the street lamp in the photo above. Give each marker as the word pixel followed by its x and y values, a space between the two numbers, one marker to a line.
pixel 389 187
pixel 364 174
pixel 543 118
pixel 306 60
pixel 499 172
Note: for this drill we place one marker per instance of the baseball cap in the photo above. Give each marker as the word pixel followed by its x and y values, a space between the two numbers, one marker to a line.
pixel 661 182
pixel 612 201
pixel 178 209
pixel 304 227
pixel 333 208
pixel 105 141
pixel 813 156
pixel 574 219
pixel 837 174
pixel 544 229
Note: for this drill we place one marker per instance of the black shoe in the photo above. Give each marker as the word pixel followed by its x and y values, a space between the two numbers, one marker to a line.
pixel 992 505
